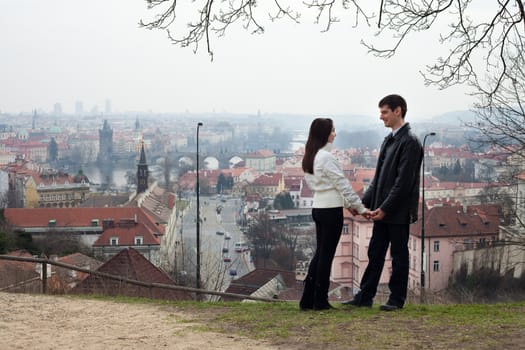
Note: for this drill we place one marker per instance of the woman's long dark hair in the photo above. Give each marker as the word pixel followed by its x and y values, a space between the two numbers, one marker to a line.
pixel 317 138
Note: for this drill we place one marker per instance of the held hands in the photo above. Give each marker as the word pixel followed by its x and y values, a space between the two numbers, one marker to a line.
pixel 365 214
pixel 374 215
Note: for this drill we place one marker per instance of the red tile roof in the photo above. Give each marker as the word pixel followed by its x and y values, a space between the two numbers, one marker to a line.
pixel 75 217
pixel 454 222
pixel 263 153
pixel 293 183
pixel 126 236
pixel 19 275
pixel 129 263
pixel 63 280
pixel 252 281
pixel 306 192
pixel 268 179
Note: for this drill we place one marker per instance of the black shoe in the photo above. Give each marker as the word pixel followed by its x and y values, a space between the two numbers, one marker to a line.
pixel 389 307
pixel 356 303
pixel 305 307
pixel 324 306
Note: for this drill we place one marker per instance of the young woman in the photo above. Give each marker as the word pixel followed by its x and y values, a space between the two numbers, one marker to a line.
pixel 332 192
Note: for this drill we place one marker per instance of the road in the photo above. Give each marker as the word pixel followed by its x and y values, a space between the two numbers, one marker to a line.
pixel 216 271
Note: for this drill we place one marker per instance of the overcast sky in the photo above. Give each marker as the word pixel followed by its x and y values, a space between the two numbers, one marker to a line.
pixel 63 51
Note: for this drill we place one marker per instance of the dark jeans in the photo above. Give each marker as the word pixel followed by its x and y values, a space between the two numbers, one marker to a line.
pixel 384 235
pixel 328 227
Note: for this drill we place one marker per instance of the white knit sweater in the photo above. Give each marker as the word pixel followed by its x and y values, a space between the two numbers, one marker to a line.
pixel 331 188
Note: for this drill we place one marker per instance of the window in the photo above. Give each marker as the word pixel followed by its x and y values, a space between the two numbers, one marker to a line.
pixel 436 265
pixel 113 241
pixel 139 240
pixel 414 263
pixel 345 247
pixel 436 246
pixel 346 270
pixel 345 229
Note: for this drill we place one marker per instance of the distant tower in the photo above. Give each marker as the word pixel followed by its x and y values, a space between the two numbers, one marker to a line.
pixel 105 141
pixel 33 123
pixel 137 133
pixel 142 171
pixel 108 106
pixel 79 108
pixel 57 109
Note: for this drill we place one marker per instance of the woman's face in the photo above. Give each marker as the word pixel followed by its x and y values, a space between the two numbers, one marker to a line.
pixel 331 138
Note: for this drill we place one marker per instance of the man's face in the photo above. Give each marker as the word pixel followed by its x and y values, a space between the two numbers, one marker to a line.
pixel 391 118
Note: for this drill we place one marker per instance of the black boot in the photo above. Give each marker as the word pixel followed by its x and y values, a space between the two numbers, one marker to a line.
pixel 321 297
pixel 307 300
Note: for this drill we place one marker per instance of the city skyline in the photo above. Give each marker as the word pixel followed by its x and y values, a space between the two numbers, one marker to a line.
pixel 97 53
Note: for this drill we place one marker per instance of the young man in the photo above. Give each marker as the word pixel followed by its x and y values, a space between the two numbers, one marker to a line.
pixel 393 198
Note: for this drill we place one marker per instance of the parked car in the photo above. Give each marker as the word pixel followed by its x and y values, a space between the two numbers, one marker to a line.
pixel 233 272
pixel 225 250
pixel 220 233
pixel 227 259
pixel 227 236
pixel 241 246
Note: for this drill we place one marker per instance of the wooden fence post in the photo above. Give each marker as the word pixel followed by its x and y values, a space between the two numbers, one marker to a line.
pixel 44 278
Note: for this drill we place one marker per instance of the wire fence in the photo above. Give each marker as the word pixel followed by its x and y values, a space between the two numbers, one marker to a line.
pixel 37 275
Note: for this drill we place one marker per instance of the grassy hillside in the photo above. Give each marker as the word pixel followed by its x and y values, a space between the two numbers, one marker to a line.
pixel 495 326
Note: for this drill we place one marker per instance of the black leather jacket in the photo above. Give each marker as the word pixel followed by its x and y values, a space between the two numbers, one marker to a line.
pixel 395 187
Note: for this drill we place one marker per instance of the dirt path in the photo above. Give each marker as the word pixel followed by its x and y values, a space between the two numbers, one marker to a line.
pixel 47 322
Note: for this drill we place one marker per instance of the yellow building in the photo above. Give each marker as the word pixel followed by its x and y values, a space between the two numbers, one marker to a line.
pixel 31 187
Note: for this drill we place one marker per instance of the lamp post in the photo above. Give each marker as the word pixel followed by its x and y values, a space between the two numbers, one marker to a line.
pixel 423 216
pixel 198 282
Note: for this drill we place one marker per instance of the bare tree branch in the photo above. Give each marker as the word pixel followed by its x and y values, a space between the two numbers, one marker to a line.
pixel 217 17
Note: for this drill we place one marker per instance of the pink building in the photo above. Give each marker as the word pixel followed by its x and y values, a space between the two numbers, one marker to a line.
pixel 447 229
pixel 351 256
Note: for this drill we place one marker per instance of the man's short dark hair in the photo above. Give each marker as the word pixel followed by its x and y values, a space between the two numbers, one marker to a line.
pixel 394 101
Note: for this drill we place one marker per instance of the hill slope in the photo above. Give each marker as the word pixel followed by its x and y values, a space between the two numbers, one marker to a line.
pixel 58 322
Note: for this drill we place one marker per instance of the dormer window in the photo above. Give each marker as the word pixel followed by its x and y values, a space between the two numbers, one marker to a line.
pixel 139 240
pixel 113 241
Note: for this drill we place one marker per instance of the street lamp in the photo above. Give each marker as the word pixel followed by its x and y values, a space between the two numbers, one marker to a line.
pixel 423 215
pixel 198 282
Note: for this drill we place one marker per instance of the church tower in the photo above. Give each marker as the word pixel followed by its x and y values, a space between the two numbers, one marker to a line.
pixel 142 171
pixel 105 141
